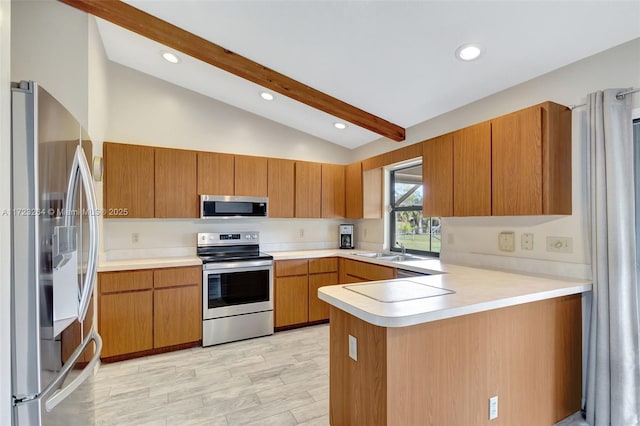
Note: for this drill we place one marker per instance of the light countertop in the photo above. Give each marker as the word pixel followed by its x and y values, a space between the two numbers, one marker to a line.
pixel 148 263
pixel 475 290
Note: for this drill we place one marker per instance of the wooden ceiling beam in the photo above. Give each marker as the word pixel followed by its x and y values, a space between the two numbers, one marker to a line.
pixel 133 19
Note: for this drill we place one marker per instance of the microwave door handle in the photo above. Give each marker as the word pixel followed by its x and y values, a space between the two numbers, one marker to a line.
pixel 92 215
pixel 61 394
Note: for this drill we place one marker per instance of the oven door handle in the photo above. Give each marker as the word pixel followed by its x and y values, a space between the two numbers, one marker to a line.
pixel 232 265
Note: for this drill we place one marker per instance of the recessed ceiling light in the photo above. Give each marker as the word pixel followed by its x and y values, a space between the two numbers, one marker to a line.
pixel 340 126
pixel 468 52
pixel 266 96
pixel 170 57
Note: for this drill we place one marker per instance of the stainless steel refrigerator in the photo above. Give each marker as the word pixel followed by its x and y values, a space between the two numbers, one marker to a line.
pixel 55 346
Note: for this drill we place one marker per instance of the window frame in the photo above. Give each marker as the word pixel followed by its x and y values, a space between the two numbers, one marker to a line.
pixel 393 209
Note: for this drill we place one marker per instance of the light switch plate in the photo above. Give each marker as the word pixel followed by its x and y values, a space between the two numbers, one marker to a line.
pixel 353 348
pixel 507 241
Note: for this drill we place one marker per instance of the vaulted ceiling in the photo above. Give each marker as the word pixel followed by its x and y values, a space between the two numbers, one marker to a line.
pixel 393 59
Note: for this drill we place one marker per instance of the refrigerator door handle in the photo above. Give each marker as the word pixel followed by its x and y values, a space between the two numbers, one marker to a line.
pixel 80 168
pixel 59 395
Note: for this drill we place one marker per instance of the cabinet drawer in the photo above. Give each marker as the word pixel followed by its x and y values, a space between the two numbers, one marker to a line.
pixel 367 271
pixel 174 277
pixel 291 267
pixel 327 264
pixel 114 282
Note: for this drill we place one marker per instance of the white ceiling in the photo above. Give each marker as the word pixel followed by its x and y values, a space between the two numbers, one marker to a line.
pixel 394 59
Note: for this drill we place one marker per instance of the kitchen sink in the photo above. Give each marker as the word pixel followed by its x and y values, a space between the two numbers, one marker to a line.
pixel 392 257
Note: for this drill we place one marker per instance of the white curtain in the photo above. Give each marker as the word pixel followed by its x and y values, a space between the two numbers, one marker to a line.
pixel 613 359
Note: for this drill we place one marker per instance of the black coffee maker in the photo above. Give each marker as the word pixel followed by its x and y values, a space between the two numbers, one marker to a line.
pixel 346 236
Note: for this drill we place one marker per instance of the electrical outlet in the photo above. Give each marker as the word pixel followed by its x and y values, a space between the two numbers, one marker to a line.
pixel 493 407
pixel 450 238
pixel 507 241
pixel 353 348
pixel 135 238
pixel 365 233
pixel 560 244
pixel 301 233
pixel 526 241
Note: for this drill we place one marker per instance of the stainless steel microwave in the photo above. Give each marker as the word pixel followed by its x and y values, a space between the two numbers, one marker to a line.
pixel 229 206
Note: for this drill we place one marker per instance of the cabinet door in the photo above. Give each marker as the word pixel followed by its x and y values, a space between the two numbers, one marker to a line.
pixel 318 309
pixel 333 198
pixel 128 181
pixel 372 186
pixel 175 183
pixel 517 163
pixel 472 171
pixel 177 315
pixel 281 187
pixel 308 189
pixel 125 322
pixel 251 176
pixel 291 300
pixel 353 188
pixel 437 176
pixel 215 173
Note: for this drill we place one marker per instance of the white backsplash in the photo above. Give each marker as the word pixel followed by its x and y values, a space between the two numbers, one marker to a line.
pixel 177 237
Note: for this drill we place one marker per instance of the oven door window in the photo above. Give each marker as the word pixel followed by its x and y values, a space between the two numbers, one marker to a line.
pixel 237 288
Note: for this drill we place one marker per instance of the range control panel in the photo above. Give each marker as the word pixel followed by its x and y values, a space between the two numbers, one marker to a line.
pixel 220 239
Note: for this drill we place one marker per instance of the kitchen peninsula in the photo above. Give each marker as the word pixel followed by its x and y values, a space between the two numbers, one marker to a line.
pixel 400 360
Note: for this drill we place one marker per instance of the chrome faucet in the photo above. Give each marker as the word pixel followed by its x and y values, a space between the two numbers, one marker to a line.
pixel 402 247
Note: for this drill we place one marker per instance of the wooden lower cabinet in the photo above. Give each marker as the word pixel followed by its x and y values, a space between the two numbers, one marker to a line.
pixel 296 290
pixel 177 316
pixel 291 296
pixel 318 309
pixel 149 310
pixel 126 322
pixel 353 271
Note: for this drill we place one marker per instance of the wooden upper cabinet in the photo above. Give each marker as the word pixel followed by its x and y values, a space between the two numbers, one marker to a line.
pixel 251 176
pixel 333 196
pixel 281 187
pixel 472 171
pixel 175 183
pixel 308 189
pixel 353 191
pixel 128 180
pixel 372 198
pixel 215 173
pixel 531 161
pixel 437 176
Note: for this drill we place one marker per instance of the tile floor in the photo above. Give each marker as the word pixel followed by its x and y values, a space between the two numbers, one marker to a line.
pixel 275 380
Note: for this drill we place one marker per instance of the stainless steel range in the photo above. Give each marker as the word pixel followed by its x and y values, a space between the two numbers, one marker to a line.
pixel 237 287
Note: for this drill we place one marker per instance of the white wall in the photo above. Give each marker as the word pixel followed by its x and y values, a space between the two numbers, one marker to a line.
pixel 474 240
pixel 177 237
pixel 49 45
pixel 5 194
pixel 148 111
